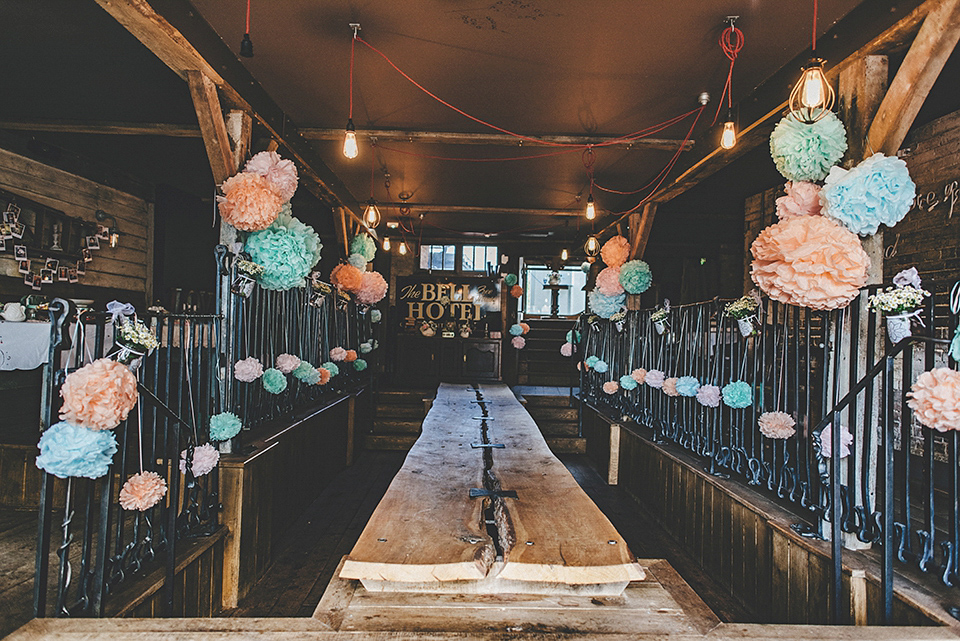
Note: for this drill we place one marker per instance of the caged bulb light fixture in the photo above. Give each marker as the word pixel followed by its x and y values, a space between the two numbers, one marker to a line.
pixel 813 96
pixel 371 216
pixel 592 246
pixel 731 42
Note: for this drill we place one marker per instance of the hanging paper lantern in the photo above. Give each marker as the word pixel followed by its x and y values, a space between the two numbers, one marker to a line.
pixel 802 199
pixel 99 395
pixel 225 425
pixel 142 491
pixel 805 152
pixel 777 425
pixel 247 370
pixel 876 192
pixel 249 203
pixel 68 450
pixel 280 174
pixel 365 246
pixel 935 399
pixel 635 276
pixel 738 395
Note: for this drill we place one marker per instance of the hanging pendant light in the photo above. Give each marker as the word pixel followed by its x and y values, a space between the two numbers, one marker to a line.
pixel 592 246
pixel 813 96
pixel 564 255
pixel 350 147
pixel 591 211
pixel 731 42
pixel 402 248
pixel 246 45
pixel 371 215
pixel 728 139
pixel 386 243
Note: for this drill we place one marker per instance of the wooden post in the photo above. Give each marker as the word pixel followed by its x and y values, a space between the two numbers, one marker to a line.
pixel 640 226
pixel 858 597
pixel 613 466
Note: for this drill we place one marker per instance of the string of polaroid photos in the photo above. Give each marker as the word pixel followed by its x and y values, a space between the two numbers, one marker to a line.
pixel 11 229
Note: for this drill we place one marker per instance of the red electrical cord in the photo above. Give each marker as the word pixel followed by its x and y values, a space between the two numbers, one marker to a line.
pixel 814 38
pixel 353 44
pixel 248 17
pixel 731 42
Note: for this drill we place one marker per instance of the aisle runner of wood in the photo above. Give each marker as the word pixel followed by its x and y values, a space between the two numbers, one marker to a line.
pixel 465 515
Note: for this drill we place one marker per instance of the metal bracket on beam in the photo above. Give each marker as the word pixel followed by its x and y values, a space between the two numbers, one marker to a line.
pixel 477 492
pixel 478 446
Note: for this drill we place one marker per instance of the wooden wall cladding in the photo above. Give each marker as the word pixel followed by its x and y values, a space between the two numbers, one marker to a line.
pixel 20 478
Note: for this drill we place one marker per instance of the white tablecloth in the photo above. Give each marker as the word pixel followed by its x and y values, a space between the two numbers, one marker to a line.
pixel 25 345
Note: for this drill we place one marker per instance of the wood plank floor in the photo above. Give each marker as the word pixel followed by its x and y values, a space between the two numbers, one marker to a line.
pixel 18 544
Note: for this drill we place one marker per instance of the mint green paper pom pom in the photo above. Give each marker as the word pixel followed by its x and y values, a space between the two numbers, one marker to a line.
pixel 805 152
pixel 358 261
pixel 287 250
pixel 591 361
pixel 68 450
pixel 955 345
pixel 573 336
pixel 627 382
pixel 331 367
pixel 359 364
pixel 737 395
pixel 585 267
pixel 366 348
pixel 303 371
pixel 635 276
pixel 375 315
pixel 510 280
pixel 274 381
pixel 365 246
pixel 226 425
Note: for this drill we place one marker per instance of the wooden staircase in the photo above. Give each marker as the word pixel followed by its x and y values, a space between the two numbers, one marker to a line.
pixel 398 415
pixel 540 362
pixel 558 422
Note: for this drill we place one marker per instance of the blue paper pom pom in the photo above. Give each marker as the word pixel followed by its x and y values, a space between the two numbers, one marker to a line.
pixel 606 306
pixel 359 364
pixel 366 348
pixel 876 192
pixel 805 152
pixel 365 246
pixel 573 336
pixel 358 261
pixel 225 425
pixel 510 280
pixel 287 249
pixel 375 315
pixel 516 330
pixel 627 382
pixel 591 361
pixel 601 367
pixel 635 276
pixel 687 386
pixel 274 381
pixel 67 450
pixel 303 371
pixel 331 367
pixel 737 395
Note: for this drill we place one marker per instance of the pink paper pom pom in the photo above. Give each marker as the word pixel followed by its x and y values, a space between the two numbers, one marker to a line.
pixel 826 441
pixel 250 203
pixel 519 342
pixel 372 288
pixel 615 251
pixel 281 174
pixel 802 199
pixel 777 425
pixel 350 356
pixel 142 491
pixel 205 458
pixel 324 375
pixel 809 261
pixel 670 386
pixel 709 396
pixel 608 282
pixel 347 277
pixel 247 370
pixel 935 399
pixel 654 378
pixel 611 387
pixel 639 375
pixel 338 354
pixel 566 349
pixel 99 395
pixel 286 363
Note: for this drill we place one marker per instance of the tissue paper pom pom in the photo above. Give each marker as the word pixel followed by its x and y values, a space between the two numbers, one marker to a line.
pixel 274 381
pixel 802 199
pixel 286 363
pixel 628 383
pixel 955 345
pixel 805 152
pixel 372 288
pixel 737 395
pixel 519 342
pixel 510 280
pixel 615 251
pixel 350 356
pixel 826 441
pixel 142 491
pixel 67 450
pixel 635 276
pixel 357 261
pixel 347 277
pixel 611 387
pixel 287 250
pixel 605 306
pixel 366 348
pixel 365 246
pixel 302 370
pixel 809 261
pixel 516 330
pixel 777 425
pixel 359 364
pixel 608 281
pixel 247 370
pixel 877 191
pixel 516 291
pixel 687 386
pixel 524 327
pixel 639 375
pixel 585 267
pixel 205 458
pixel 601 367
pixel 311 376
pixel 225 425
pixel 709 395
pixel 935 399
pixel 332 368
pixel 250 203
pixel 324 376
pixel 670 387
pixel 573 336
pixel 591 361
pixel 654 378
pixel 280 174
pixel 375 315
pixel 338 354
pixel 566 349
pixel 99 395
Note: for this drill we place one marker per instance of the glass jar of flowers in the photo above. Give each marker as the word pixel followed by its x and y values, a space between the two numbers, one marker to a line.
pixel 659 319
pixel 744 311
pixel 900 303
pixel 133 340
pixel 246 278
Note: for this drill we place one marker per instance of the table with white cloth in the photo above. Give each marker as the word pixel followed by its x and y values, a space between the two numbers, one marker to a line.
pixel 25 345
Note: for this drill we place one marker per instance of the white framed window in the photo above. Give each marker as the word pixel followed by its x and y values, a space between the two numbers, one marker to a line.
pixel 438 257
pixel 479 258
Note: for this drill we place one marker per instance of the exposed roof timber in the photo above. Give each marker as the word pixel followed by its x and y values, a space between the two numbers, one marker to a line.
pixel 457 138
pixel 179 36
pixel 104 128
pixel 470 209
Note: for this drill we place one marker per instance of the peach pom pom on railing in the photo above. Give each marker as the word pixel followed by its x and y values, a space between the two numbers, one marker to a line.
pixel 350 356
pixel 98 396
pixel 280 174
pixel 516 291
pixel 670 386
pixel 324 376
pixel 249 203
pixel 639 375
pixel 347 277
pixel 935 399
pixel 372 288
pixel 142 491
pixel 611 387
pixel 608 282
pixel 525 327
pixel 615 251
pixel 777 425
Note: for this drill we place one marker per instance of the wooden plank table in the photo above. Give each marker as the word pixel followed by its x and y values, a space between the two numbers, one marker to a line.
pixel 429 535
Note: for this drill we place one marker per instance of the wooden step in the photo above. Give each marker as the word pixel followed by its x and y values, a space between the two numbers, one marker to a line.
pixel 390 442
pixel 537 400
pixel 547 380
pixel 548 413
pixel 396 426
pixel 559 428
pixel 403 397
pixel 400 411
pixel 566 445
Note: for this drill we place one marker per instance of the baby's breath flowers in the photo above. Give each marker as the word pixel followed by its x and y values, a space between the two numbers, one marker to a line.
pixel 898 300
pixel 134 334
pixel 743 307
pixel 659 315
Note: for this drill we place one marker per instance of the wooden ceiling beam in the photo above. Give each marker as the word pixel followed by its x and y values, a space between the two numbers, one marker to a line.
pixel 212 126
pixel 104 128
pixel 499 140
pixel 471 209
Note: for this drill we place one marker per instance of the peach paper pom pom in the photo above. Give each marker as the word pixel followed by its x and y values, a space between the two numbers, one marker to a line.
pixel 142 491
pixel 286 363
pixel 338 354
pixel 372 288
pixel 350 356
pixel 802 199
pixel 99 395
pixel 639 375
pixel 250 203
pixel 347 276
pixel 935 399
pixel 670 386
pixel 324 375
pixel 516 291
pixel 525 327
pixel 615 251
pixel 608 282
pixel 611 387
pixel 777 425
pixel 281 174
pixel 809 261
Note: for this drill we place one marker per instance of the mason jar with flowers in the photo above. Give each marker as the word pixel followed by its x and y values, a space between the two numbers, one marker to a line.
pixel 900 303
pixel 659 319
pixel 133 340
pixel 246 278
pixel 744 311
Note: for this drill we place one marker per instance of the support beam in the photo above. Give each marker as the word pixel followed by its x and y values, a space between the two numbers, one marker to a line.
pixel 102 128
pixel 212 126
pixel 922 65
pixel 640 226
pixel 472 209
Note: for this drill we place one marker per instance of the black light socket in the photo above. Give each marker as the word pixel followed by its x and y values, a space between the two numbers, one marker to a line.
pixel 246 46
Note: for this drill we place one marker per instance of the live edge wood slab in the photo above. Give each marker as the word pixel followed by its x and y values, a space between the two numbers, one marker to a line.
pixel 538 533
